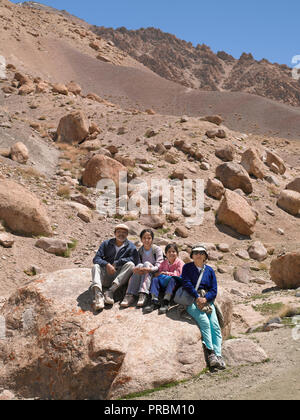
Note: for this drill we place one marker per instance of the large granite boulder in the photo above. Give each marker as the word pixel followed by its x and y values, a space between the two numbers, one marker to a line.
pixel 285 270
pixel 55 347
pixel 235 212
pixel 234 176
pixel 22 211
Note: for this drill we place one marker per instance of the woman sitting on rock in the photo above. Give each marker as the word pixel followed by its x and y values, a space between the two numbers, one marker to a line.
pixel 150 258
pixel 203 310
pixel 169 269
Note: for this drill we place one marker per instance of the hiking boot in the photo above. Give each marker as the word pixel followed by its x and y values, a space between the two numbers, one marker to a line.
pixel 152 307
pixel 222 364
pixel 212 359
pixel 164 308
pixel 142 300
pixel 127 301
pixel 98 301
pixel 109 297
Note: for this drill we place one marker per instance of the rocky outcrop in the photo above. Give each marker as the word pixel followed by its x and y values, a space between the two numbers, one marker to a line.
pixel 55 347
pixel 22 211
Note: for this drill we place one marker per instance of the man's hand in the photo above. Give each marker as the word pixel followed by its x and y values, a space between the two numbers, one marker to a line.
pixel 110 269
pixel 201 302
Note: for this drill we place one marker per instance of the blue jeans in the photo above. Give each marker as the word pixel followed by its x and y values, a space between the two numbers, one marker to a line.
pixel 162 282
pixel 209 327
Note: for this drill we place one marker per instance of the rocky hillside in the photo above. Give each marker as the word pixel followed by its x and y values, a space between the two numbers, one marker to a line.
pixel 200 68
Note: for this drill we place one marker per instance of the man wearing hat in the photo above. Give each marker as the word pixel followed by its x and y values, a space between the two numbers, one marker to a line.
pixel 113 266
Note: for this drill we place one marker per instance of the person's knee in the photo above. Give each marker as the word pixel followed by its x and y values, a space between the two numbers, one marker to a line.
pixel 96 267
pixel 128 265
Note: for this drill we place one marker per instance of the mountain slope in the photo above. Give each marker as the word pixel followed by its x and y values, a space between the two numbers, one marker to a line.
pixel 200 68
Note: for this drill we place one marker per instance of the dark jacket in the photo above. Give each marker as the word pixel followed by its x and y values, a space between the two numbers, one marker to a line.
pixel 190 276
pixel 107 254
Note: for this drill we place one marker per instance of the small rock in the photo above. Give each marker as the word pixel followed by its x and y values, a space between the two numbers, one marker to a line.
pixel 243 254
pixel 6 240
pixel 223 247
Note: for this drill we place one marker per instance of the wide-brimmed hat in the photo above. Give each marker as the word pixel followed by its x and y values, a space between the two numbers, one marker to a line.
pixel 199 248
pixel 122 226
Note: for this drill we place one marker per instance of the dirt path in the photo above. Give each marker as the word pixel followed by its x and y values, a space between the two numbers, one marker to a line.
pixel 279 378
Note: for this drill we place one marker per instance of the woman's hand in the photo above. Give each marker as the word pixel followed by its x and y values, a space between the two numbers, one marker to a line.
pixel 201 302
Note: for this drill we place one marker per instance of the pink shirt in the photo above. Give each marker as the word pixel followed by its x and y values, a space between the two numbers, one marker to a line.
pixel 174 269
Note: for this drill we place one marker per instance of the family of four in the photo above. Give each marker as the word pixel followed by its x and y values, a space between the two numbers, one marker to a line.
pixel 146 272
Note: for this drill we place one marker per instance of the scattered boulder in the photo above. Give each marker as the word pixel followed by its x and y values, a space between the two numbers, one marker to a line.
pixel 19 153
pixel 234 211
pixel 285 270
pixel 289 201
pixel 257 251
pixel 102 167
pixel 73 128
pixel 182 232
pixel 242 351
pixel 272 158
pixel 215 188
pixel 54 246
pixel 6 240
pixel 74 88
pixel 211 134
pixel 242 275
pixel 225 153
pixel 294 185
pixel 243 254
pixel 27 88
pixel 60 88
pixel 154 221
pixel 82 199
pixel 223 247
pixel 61 349
pixel 5 152
pixel 22 211
pixel 252 163
pixel 215 119
pixel 233 176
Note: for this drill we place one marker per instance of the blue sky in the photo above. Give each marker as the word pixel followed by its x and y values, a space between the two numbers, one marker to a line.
pixel 266 28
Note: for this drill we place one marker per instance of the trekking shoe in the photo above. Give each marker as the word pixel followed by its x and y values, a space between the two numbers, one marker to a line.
pixel 142 300
pixel 98 301
pixel 164 308
pixel 152 307
pixel 222 364
pixel 109 297
pixel 212 359
pixel 127 301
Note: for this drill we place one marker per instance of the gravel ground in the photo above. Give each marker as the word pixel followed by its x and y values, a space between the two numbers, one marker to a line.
pixel 277 379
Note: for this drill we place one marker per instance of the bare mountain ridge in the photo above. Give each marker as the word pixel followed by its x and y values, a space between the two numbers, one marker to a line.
pixel 64 50
pixel 200 68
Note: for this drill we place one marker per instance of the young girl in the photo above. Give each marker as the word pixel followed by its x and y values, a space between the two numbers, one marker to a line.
pixel 150 258
pixel 168 270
